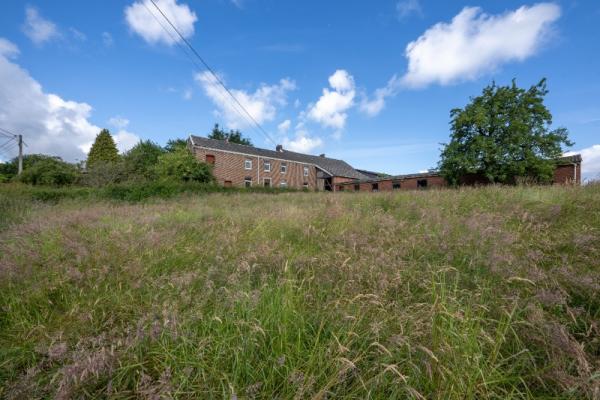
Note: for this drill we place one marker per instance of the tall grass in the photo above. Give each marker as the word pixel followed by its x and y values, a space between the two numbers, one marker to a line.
pixel 488 293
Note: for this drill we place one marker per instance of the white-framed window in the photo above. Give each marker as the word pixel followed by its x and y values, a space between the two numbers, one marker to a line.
pixel 267 182
pixel 248 181
pixel 267 165
pixel 305 171
pixel 283 183
pixel 248 164
pixel 283 168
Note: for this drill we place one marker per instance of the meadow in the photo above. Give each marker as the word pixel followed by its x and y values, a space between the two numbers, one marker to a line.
pixel 476 293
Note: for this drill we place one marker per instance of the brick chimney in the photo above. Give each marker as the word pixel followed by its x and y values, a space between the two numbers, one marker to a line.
pixel 322 155
pixel 279 148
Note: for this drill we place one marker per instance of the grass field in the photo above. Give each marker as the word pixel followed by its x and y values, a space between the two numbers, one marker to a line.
pixel 489 293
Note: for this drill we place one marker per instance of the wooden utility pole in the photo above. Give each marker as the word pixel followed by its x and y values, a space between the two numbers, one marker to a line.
pixel 20 138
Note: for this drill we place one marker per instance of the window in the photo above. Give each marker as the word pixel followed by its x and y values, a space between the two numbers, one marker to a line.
pixel 305 171
pixel 227 184
pixel 305 185
pixel 422 183
pixel 283 168
pixel 267 182
pixel 283 184
pixel 396 185
pixel 357 188
pixel 248 181
pixel 210 159
pixel 248 164
pixel 267 166
pixel 375 187
pixel 340 188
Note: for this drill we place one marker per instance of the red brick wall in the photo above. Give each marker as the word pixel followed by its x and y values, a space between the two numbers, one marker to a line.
pixel 230 167
pixel 386 185
pixel 566 174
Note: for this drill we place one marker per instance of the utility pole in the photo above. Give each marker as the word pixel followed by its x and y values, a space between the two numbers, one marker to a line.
pixel 20 138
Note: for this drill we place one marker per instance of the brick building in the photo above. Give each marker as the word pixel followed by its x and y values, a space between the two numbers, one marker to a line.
pixel 240 165
pixel 568 171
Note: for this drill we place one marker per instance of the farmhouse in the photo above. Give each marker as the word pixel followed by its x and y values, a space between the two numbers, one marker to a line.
pixel 240 165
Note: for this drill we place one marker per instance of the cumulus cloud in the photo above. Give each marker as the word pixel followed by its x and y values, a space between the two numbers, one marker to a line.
pixel 475 43
pixel 118 122
pixel 8 49
pixel 37 28
pixel 331 108
pixel 590 165
pixel 302 143
pixel 262 104
pixel 373 106
pixel 284 126
pixel 143 23
pixel 49 123
pixel 407 8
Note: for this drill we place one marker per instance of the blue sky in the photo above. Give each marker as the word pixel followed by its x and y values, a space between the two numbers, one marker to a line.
pixel 369 82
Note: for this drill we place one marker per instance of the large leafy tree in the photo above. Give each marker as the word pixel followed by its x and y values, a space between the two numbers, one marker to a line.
pixel 104 150
pixel 233 136
pixel 141 159
pixel 502 135
pixel 48 170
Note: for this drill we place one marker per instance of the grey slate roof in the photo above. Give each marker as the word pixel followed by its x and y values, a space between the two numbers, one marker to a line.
pixel 329 165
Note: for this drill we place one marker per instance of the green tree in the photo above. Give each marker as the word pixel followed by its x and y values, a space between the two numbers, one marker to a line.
pixel 181 165
pixel 141 159
pixel 103 150
pixel 233 136
pixel 503 135
pixel 47 170
pixel 175 144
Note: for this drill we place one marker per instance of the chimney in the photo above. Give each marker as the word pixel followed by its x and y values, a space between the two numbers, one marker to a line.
pixel 279 147
pixel 322 155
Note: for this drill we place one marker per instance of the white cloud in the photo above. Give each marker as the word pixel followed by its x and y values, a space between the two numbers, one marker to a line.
pixel 373 106
pixel 187 94
pixel 590 164
pixel 125 140
pixel 78 35
pixel 406 8
pixel 49 123
pixel 284 126
pixel 143 23
pixel 8 49
pixel 475 43
pixel 119 122
pixel 37 28
pixel 330 109
pixel 302 143
pixel 107 39
pixel 262 104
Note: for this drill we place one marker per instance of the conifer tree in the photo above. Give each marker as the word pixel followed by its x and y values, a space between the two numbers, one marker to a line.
pixel 103 150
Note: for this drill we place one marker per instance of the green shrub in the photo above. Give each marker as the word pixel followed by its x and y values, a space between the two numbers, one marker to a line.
pixel 51 171
pixel 180 165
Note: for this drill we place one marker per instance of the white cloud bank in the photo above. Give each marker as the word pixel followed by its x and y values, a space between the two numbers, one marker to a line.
pixel 407 8
pixel 475 43
pixel 146 25
pixel 302 143
pixel 37 28
pixel 590 164
pixel 472 44
pixel 262 104
pixel 49 124
pixel 331 108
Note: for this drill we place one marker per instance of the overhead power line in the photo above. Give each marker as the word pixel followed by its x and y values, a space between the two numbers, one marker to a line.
pixel 212 72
